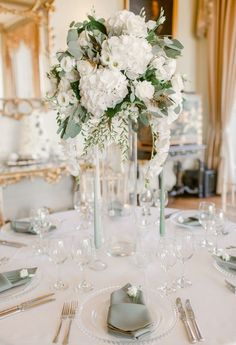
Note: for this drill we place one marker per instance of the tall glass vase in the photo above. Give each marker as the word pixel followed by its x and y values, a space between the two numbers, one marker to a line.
pixel 119 194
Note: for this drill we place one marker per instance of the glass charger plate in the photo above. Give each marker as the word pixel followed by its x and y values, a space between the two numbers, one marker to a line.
pixel 21 290
pixel 178 217
pixel 229 273
pixel 92 316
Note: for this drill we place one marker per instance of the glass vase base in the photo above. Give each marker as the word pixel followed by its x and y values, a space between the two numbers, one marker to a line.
pixel 84 286
pixel 121 248
pixel 183 283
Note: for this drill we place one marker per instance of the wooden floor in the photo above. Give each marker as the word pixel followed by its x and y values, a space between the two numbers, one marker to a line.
pixel 187 202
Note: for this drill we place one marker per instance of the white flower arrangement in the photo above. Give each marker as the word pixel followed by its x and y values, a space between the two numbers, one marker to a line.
pixel 113 73
pixel 224 256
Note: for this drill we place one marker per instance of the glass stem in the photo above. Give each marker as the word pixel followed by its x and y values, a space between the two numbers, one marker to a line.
pixel 183 272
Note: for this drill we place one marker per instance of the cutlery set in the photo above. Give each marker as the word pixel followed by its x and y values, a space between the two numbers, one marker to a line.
pixel 12 244
pixel 35 302
pixel 189 321
pixel 68 312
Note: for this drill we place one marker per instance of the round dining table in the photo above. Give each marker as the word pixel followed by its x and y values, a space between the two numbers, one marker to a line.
pixel 213 302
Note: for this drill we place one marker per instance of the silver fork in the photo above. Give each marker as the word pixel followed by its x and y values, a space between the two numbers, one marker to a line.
pixel 64 314
pixel 73 308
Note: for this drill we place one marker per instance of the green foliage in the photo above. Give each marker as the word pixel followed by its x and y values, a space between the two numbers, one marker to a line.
pixel 75 87
pixel 74 50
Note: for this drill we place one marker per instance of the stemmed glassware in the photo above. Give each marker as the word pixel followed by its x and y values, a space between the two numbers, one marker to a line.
pixel 40 222
pixel 82 254
pixel 218 229
pixel 83 207
pixel 168 258
pixel 145 201
pixel 184 251
pixel 156 202
pixel 206 219
pixel 58 254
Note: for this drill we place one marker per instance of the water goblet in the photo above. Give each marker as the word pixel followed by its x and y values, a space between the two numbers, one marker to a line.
pixel 84 209
pixel 58 254
pixel 206 219
pixel 184 251
pixel 40 222
pixel 82 254
pixel 167 256
pixel 156 202
pixel 218 229
pixel 145 201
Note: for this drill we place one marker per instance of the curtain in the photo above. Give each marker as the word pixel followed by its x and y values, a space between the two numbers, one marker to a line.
pixel 221 36
pixel 21 45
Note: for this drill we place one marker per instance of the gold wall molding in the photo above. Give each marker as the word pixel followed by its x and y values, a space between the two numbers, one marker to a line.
pixel 17 108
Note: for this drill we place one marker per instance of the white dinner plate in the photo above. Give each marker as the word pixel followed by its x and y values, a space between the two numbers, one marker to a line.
pixel 179 218
pixel 92 317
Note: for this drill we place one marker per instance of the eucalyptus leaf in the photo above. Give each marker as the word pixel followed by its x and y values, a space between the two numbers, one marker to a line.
pixel 177 109
pixel 72 129
pixel 95 25
pixel 75 87
pixel 72 24
pixel 74 50
pixel 72 35
pixel 132 97
pixel 143 117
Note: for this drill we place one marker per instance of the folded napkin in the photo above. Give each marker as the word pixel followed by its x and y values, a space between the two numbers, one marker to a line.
pixel 229 264
pixel 11 279
pixel 192 221
pixel 26 227
pixel 128 316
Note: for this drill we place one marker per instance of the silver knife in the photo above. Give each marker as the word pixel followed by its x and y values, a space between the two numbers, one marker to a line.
pixel 26 305
pixel 182 315
pixel 191 316
pixel 12 244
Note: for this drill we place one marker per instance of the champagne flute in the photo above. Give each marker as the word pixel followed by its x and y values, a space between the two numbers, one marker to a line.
pixel 84 210
pixel 184 252
pixel 82 254
pixel 206 219
pixel 218 229
pixel 58 254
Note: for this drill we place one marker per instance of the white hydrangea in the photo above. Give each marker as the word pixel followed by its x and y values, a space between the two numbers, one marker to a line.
pixel 127 53
pixel 126 22
pixel 63 99
pixel 102 90
pixel 144 90
pixel 177 82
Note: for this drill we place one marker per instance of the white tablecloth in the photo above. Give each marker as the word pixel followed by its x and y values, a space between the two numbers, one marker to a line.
pixel 214 304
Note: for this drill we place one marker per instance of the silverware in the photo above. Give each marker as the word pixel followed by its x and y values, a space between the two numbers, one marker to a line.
pixel 230 286
pixel 170 214
pixel 12 244
pixel 27 305
pixel 73 308
pixel 192 317
pixel 182 315
pixel 64 313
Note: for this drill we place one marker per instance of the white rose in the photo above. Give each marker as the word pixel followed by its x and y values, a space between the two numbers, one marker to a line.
pixel 67 63
pixel 64 84
pixel 158 62
pixel 177 82
pixel 83 39
pixel 63 99
pixel 144 90
pixel 151 24
pixel 170 67
pixel 85 67
pixel 72 97
pixel 136 26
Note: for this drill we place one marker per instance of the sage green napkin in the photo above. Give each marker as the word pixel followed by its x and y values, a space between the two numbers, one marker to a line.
pixel 191 221
pixel 229 265
pixel 128 316
pixel 11 279
pixel 25 227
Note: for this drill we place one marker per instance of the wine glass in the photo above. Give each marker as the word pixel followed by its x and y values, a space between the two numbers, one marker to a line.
pixel 206 219
pixel 39 219
pixel 82 254
pixel 156 202
pixel 84 209
pixel 218 229
pixel 145 201
pixel 184 251
pixel 167 256
pixel 58 254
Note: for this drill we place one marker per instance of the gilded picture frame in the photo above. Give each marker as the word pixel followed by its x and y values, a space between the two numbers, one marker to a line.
pixel 152 8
